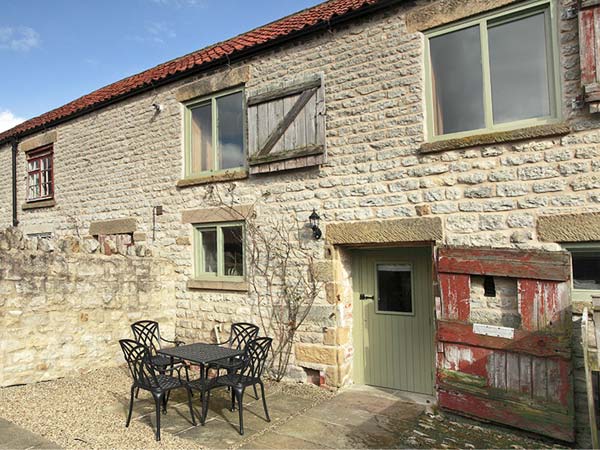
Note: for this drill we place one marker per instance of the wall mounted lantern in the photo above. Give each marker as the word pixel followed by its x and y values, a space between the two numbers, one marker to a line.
pixel 314 219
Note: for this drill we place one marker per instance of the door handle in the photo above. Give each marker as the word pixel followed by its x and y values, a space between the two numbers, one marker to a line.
pixel 366 297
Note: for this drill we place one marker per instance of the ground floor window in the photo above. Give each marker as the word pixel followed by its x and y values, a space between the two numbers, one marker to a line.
pixel 219 250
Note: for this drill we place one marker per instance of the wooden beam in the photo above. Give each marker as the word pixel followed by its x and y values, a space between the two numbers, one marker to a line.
pixel 543 344
pixel 286 154
pixel 283 92
pixel 514 263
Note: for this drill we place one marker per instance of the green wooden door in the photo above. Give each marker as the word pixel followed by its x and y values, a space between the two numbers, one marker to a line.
pixel 393 319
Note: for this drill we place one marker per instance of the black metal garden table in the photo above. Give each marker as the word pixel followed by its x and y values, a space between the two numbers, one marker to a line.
pixel 200 353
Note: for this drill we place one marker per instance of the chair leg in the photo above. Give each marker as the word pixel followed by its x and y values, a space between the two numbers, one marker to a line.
pixel 205 400
pixel 239 394
pixel 189 394
pixel 255 393
pixel 165 400
pixel 232 400
pixel 137 391
pixel 262 393
pixel 158 399
pixel 133 388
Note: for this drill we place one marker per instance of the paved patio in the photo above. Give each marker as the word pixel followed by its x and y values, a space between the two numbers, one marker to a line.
pixel 302 417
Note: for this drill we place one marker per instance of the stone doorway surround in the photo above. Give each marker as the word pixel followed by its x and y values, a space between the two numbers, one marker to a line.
pixel 333 357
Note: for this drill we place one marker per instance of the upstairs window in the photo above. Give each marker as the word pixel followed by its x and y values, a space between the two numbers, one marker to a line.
pixel 494 73
pixel 40 173
pixel 585 261
pixel 214 134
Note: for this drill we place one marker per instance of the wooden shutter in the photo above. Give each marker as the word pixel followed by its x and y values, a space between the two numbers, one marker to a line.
pixel 589 49
pixel 286 126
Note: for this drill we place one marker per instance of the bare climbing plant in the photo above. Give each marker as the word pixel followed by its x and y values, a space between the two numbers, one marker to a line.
pixel 281 271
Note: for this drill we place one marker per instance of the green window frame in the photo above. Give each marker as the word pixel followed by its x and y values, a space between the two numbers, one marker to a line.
pixel 582 295
pixel 212 101
pixel 485 22
pixel 220 272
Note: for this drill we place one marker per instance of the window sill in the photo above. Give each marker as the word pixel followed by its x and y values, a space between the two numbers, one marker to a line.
pixel 35 204
pixel 554 129
pixel 226 175
pixel 218 285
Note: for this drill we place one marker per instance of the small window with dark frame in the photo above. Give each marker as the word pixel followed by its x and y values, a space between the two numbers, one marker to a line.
pixel 40 173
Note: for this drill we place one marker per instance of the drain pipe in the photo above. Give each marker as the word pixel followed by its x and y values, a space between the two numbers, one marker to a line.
pixel 15 146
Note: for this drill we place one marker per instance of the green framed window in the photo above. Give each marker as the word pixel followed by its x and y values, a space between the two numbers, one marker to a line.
pixel 496 72
pixel 219 251
pixel 214 133
pixel 585 264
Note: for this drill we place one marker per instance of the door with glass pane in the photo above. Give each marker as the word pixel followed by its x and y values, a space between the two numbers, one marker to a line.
pixel 393 319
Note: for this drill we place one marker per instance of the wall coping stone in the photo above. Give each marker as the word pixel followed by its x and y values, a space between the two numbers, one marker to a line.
pixel 422 229
pixel 116 226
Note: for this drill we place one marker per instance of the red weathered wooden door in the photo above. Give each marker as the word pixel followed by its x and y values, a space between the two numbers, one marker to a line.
pixel 519 375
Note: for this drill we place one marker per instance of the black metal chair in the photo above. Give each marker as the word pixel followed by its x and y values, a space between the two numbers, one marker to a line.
pixel 148 376
pixel 248 374
pixel 147 332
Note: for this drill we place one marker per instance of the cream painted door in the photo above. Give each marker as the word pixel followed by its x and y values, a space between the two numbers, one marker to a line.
pixel 393 318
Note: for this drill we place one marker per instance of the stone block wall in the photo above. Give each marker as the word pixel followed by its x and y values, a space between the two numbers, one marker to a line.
pixel 5 186
pixel 64 306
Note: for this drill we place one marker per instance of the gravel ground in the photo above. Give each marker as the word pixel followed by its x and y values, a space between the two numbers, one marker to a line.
pixel 82 412
pixel 89 411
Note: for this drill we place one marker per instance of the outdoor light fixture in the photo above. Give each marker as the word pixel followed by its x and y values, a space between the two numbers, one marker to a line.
pixel 314 224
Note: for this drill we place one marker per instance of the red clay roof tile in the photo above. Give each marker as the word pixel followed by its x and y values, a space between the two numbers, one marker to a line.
pixel 282 27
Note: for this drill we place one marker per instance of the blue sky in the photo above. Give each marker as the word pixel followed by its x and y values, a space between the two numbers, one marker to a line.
pixel 54 51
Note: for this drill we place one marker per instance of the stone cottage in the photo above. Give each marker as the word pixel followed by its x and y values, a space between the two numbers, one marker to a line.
pixel 450 149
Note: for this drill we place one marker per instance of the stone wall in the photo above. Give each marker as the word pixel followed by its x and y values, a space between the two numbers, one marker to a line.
pixel 64 306
pixel 5 186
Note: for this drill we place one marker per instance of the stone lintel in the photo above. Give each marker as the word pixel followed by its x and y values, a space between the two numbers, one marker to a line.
pixel 38 141
pixel 581 227
pixel 215 215
pixel 422 229
pixel 116 226
pixel 555 129
pixel 214 83
pixel 218 285
pixel 443 12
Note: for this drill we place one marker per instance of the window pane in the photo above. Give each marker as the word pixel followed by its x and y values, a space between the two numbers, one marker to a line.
pixel 201 137
pixel 233 247
pixel 586 270
pixel 519 69
pixel 231 129
pixel 209 250
pixel 457 81
pixel 394 288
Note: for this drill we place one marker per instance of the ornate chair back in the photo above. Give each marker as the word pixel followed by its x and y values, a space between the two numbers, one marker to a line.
pixel 241 334
pixel 255 357
pixel 146 332
pixel 137 357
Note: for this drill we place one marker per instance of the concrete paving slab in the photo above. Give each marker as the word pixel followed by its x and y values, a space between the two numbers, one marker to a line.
pixel 277 441
pixel 215 434
pixel 13 437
